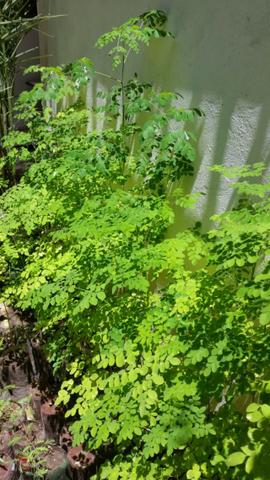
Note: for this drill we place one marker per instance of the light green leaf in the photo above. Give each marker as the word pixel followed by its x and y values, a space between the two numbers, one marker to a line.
pixel 254 417
pixel 236 458
pixel 265 410
pixel 157 379
pixel 265 316
pixel 120 359
pixel 250 464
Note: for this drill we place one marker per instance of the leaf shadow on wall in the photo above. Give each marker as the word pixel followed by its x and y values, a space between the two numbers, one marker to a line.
pixel 218 62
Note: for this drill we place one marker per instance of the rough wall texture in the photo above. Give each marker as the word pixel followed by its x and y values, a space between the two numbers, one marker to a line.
pixel 218 61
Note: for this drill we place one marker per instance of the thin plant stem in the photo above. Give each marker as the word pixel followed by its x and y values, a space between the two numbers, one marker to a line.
pixel 123 91
pixel 108 76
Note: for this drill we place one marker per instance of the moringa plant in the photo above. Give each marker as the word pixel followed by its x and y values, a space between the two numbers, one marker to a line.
pixel 16 20
pixel 127 39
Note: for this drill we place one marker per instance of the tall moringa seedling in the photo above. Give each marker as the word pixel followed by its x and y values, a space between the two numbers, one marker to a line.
pixel 160 152
pixel 128 39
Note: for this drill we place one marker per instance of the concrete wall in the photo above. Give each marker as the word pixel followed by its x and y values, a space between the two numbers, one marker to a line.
pixel 219 61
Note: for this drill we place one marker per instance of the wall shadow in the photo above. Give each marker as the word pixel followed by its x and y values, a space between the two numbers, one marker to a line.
pixel 225 68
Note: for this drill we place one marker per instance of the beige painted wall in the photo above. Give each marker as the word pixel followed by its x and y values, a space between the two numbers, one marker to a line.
pixel 219 61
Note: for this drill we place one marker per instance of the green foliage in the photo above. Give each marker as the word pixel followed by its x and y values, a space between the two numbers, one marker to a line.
pixel 35 456
pixel 10 412
pixel 254 456
pixel 47 134
pixel 128 36
pixel 160 153
pixel 136 390
pixel 146 144
pixel 28 452
pixel 156 340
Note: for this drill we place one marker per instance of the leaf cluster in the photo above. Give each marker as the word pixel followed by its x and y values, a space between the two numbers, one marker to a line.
pixel 130 35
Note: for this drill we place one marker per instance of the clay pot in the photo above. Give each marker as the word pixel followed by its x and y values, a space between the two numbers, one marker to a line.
pixel 81 464
pixel 52 421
